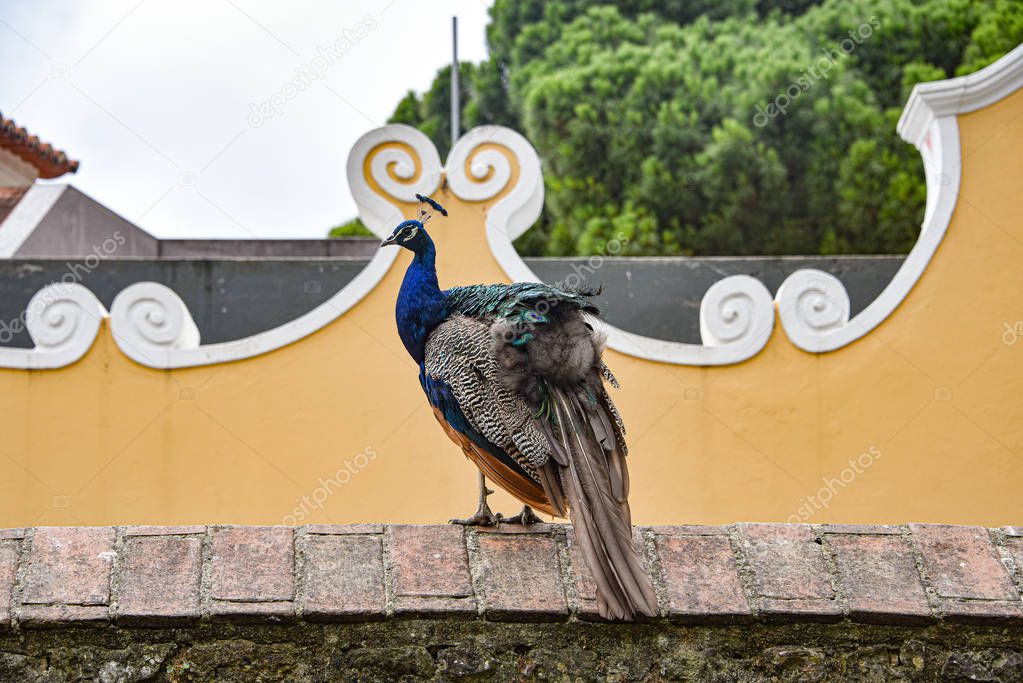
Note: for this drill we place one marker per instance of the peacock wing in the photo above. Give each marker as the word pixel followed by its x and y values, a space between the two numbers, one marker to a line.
pixel 493 426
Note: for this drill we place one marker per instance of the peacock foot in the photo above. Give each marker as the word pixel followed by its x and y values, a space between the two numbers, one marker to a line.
pixel 483 516
pixel 526 517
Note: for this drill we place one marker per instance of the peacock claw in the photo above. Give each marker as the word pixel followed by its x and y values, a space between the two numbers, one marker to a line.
pixel 525 518
pixel 482 517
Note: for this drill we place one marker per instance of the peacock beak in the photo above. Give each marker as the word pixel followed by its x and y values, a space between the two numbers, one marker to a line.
pixel 388 242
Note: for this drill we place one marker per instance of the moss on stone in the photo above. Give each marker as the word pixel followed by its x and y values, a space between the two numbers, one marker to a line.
pixel 472 650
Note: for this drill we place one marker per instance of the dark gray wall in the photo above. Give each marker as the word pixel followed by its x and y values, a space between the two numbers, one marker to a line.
pixel 660 297
pixel 350 247
pixel 230 299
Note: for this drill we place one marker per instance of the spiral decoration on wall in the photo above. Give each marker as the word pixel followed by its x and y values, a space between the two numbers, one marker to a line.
pixel 63 320
pixel 56 315
pixel 812 303
pixel 736 311
pixel 478 168
pixel 388 166
pixel 150 320
pixel 495 163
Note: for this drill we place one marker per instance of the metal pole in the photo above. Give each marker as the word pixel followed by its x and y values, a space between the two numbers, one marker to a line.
pixel 456 109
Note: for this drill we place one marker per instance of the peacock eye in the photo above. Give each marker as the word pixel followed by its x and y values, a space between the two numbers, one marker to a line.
pixel 410 235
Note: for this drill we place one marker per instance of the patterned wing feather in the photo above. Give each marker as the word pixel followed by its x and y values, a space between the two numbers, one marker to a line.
pixel 500 424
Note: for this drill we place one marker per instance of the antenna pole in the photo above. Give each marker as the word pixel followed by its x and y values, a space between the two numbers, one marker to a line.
pixel 456 109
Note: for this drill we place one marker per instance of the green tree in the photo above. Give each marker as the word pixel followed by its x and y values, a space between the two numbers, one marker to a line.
pixel 431 113
pixel 352 228
pixel 997 32
pixel 719 126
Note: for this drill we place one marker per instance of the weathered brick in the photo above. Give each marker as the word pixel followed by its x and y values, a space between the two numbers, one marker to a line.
pixel 702 578
pixel 961 562
pixel 521 577
pixel 1014 548
pixel 344 529
pixel 431 570
pixel 252 573
pixel 57 616
pixel 790 576
pixel 159 580
pixel 966 571
pixel 983 611
pixel 343 578
pixel 1012 530
pixel 69 566
pixel 512 529
pixel 585 587
pixel 12 534
pixel 9 551
pixel 188 530
pixel 66 573
pixel 879 578
pixel 690 530
pixel 253 612
pixel 253 564
pixel 869 529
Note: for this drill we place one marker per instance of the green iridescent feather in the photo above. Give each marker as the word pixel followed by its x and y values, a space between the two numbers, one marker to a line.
pixel 526 302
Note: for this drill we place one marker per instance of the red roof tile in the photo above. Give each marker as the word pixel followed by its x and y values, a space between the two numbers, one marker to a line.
pixel 50 162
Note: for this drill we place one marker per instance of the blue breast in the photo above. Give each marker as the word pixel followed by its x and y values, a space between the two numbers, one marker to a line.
pixel 421 306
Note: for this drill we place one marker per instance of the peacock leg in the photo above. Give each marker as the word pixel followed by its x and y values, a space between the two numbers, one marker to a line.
pixel 526 517
pixel 484 516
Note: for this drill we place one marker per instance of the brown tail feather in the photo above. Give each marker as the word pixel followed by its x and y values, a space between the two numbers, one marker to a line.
pixel 523 488
pixel 600 514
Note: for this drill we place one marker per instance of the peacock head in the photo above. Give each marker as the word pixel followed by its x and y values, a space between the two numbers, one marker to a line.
pixel 409 234
pixel 412 234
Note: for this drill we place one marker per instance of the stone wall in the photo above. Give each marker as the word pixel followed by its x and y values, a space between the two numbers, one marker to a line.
pixel 374 602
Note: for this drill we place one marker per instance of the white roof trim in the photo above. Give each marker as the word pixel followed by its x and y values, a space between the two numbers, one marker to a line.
pixel 962 95
pixel 26 216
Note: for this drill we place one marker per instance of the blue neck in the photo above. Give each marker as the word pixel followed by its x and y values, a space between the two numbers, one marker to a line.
pixel 421 304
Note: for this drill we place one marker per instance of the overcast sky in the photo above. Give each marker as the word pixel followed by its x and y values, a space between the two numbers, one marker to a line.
pixel 164 102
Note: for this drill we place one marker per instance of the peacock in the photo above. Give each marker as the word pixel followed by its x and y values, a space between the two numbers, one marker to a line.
pixel 515 378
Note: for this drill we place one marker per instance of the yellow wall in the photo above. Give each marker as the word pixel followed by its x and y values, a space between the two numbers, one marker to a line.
pixel 934 390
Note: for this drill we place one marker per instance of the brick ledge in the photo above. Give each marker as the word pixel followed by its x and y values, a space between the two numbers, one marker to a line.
pixel 180 575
